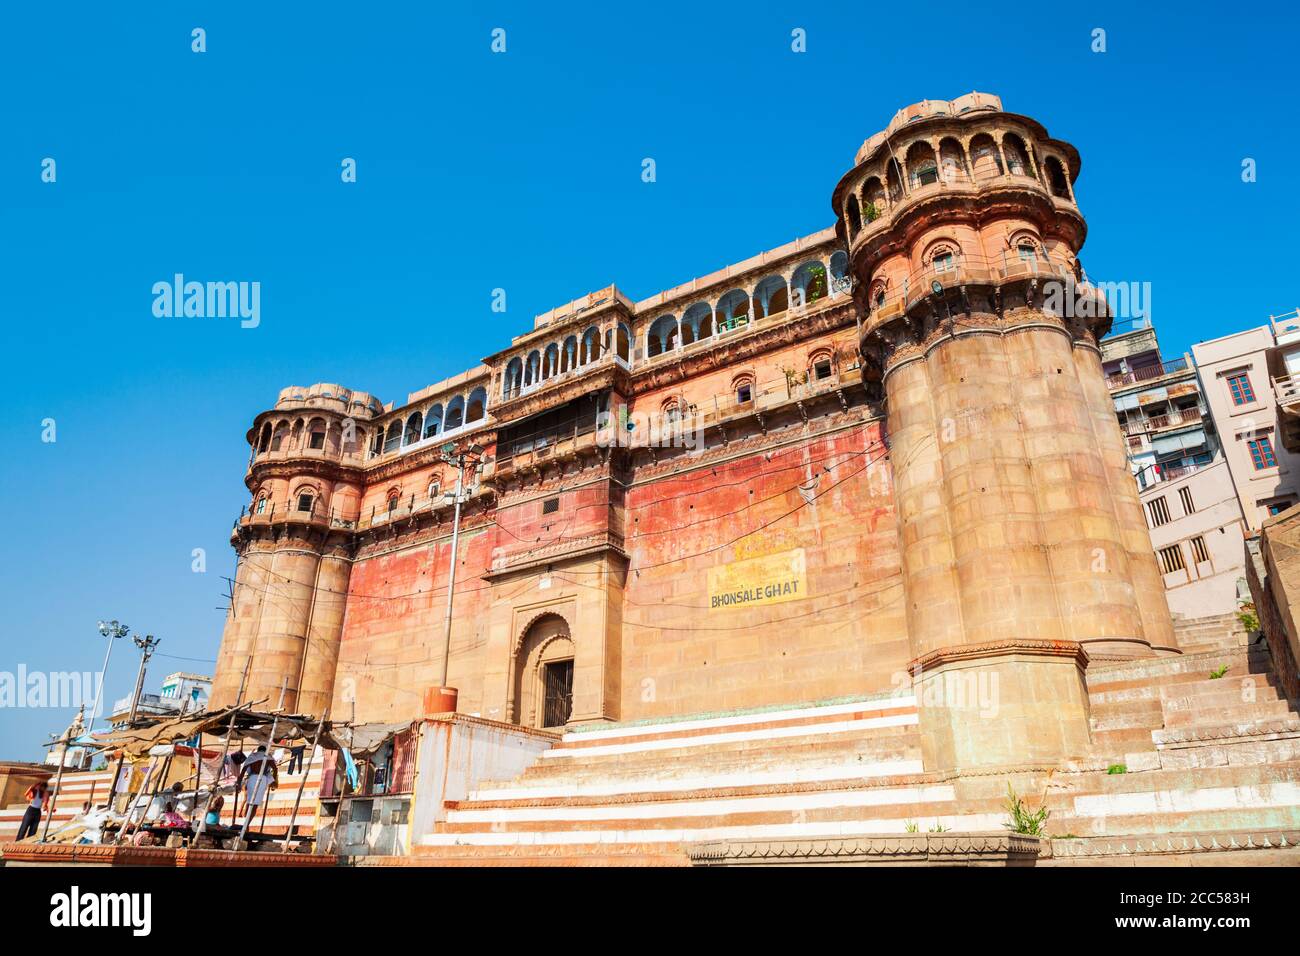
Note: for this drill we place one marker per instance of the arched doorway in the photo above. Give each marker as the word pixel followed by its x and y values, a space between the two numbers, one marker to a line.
pixel 543 682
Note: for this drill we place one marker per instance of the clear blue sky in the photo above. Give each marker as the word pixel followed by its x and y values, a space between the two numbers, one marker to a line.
pixel 519 171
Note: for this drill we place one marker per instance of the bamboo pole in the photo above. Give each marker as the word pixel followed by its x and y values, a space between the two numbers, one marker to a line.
pixel 270 742
pixel 297 801
pixel 58 782
pixel 225 749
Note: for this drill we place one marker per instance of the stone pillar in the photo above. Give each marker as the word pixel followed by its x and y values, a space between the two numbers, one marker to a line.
pixel 321 654
pixel 998 683
pixel 1143 573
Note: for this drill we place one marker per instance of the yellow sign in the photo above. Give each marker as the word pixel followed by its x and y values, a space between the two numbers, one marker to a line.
pixel 771 579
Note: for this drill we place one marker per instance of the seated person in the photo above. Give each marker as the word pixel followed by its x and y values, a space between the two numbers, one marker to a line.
pixel 170 818
pixel 213 817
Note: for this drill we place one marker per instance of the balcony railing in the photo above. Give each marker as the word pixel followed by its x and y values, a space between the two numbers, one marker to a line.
pixel 1077 298
pixel 1173 419
pixel 1147 373
pixel 1287 390
pixel 554 378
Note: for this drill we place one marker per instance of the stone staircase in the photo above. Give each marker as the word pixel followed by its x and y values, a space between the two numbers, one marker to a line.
pixel 1214 632
pixel 1198 755
pixel 1176 750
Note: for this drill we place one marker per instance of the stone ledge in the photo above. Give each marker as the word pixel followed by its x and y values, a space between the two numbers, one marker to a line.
pixel 88 854
pixel 983 848
pixel 966 652
pixel 1173 844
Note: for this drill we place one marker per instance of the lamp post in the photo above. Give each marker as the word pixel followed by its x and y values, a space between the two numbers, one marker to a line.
pixel 444 697
pixel 111 630
pixel 146 645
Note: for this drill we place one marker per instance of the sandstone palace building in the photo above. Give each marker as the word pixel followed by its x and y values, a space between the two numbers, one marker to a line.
pixel 881 456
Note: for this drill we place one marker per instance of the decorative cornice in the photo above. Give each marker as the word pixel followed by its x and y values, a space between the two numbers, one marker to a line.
pixel 917 849
pixel 1174 844
pixel 942 656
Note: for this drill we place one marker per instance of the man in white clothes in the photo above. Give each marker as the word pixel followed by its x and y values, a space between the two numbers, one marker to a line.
pixel 259 776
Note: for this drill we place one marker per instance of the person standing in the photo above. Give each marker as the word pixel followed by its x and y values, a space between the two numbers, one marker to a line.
pixel 260 776
pixel 36 793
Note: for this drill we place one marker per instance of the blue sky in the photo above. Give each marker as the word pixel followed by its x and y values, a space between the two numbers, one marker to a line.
pixel 519 171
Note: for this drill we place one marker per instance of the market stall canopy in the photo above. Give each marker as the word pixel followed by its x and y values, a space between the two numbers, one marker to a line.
pixel 135 742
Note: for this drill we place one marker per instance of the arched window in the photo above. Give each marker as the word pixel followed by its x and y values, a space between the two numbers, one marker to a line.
pixel 394 439
pixel 435 489
pixel 743 388
pixel 894 180
pixel 771 297
pixel 476 405
pixel 810 281
pixel 455 413
pixel 590 345
pixel 316 434
pixel 551 361
pixel 922 168
pixel 942 256
pixel 1056 179
pixel 278 436
pixel 662 335
pixel 952 161
pixel 261 504
pixel 839 271
pixel 699 319
pixel 413 426
pixel 820 366
pixel 265 441
pixel 733 309
pixel 513 379
pixel 1013 148
pixel 377 443
pixel 853 214
pixel 985 157
pixel 306 500
pixel 873 195
pixel 532 369
pixel 623 342
pixel 433 420
pixel 569 354
pixel 876 296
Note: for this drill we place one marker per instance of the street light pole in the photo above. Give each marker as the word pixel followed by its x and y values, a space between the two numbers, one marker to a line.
pixel 146 645
pixel 111 630
pixel 450 456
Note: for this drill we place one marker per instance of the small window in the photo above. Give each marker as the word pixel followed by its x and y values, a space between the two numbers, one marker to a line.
pixel 550 506
pixel 1261 453
pixel 1277 507
pixel 317 439
pixel 1026 252
pixel 1158 510
pixel 1242 392
pixel 261 505
pixel 1199 551
pixel 434 488
pixel 392 504
pixel 927 175
pixel 1171 559
pixel 945 262
pixel 1185 495
pixel 822 369
pixel 744 393
pixel 305 502
pixel 880 298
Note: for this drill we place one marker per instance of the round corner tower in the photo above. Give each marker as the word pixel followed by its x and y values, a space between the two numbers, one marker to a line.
pixel 294 549
pixel 1024 547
